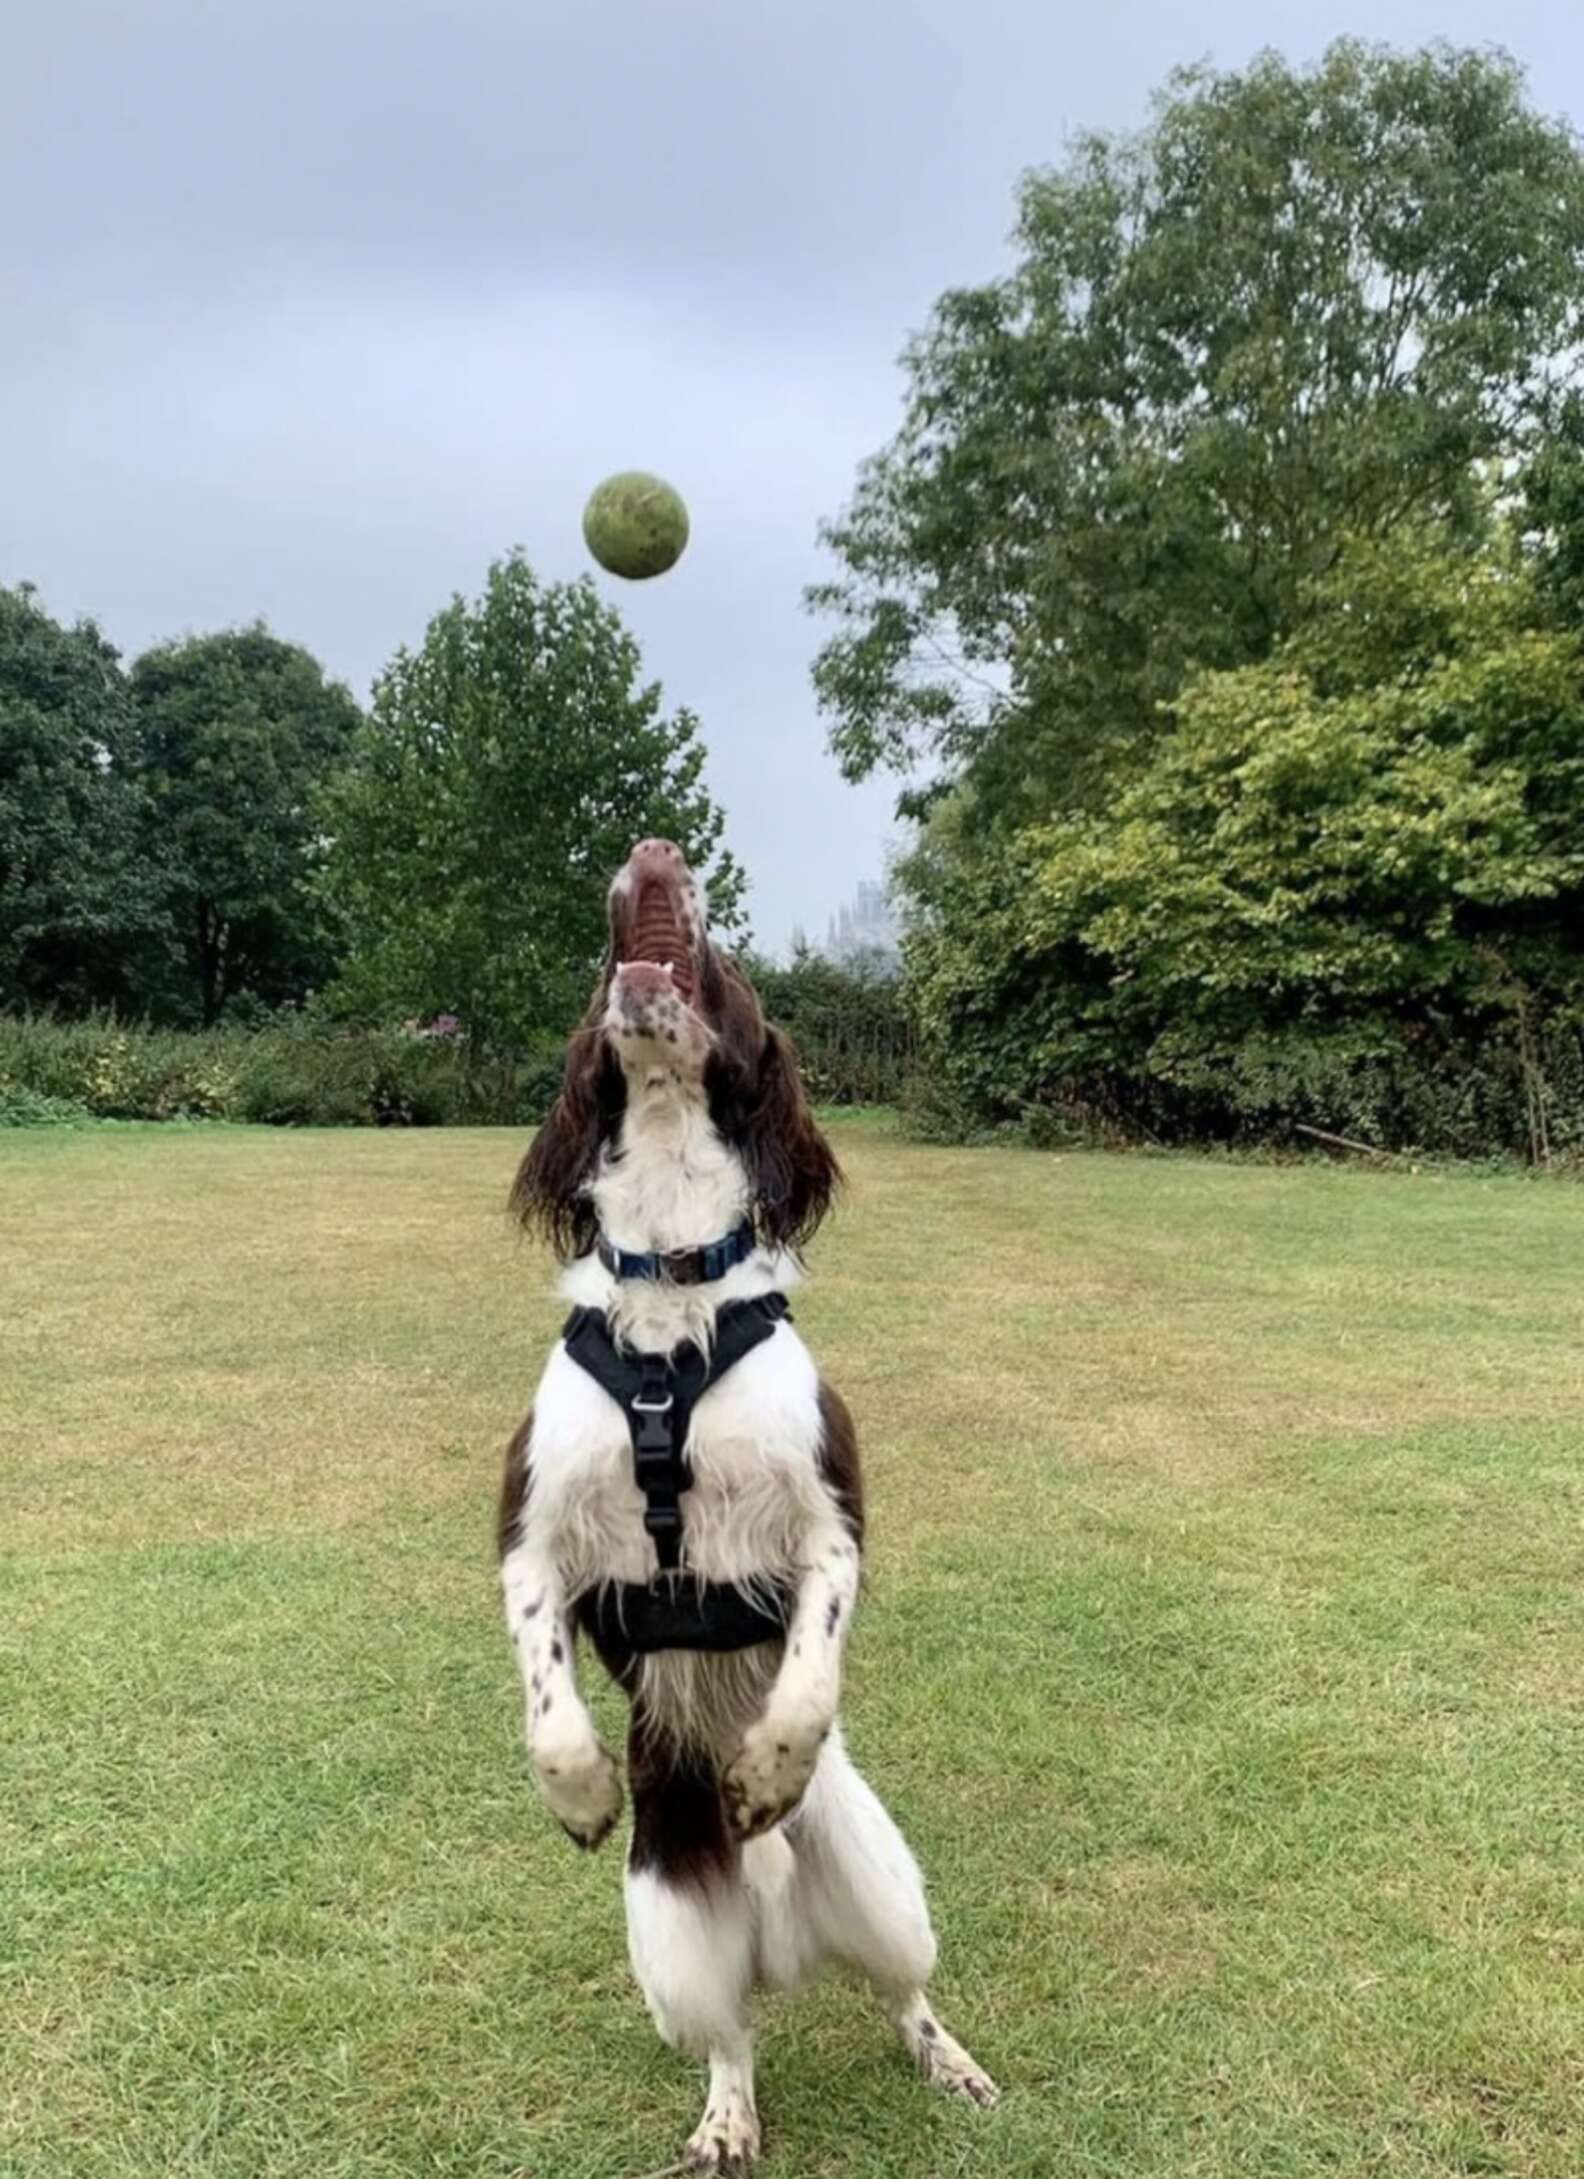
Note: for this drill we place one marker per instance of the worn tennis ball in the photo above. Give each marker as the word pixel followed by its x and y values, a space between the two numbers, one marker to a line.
pixel 635 525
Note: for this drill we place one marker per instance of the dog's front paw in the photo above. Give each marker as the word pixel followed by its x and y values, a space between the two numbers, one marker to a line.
pixel 769 1774
pixel 581 1785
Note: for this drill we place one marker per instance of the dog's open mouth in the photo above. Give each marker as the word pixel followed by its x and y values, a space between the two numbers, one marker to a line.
pixel 658 938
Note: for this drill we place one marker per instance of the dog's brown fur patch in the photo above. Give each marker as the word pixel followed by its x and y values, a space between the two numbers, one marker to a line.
pixel 515 1485
pixel 838 1458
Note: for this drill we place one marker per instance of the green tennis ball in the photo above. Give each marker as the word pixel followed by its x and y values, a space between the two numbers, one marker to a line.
pixel 635 525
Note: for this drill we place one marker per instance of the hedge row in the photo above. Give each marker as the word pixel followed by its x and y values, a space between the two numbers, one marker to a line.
pixel 850 1026
pixel 295 1073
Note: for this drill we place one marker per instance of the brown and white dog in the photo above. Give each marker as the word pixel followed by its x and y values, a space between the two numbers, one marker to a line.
pixel 757 1850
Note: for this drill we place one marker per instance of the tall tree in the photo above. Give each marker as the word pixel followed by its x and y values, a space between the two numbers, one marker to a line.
pixel 1552 499
pixel 77 899
pixel 235 733
pixel 507 767
pixel 1301 305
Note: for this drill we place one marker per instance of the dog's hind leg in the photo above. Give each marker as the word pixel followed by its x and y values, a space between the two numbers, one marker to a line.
pixel 858 1889
pixel 690 1935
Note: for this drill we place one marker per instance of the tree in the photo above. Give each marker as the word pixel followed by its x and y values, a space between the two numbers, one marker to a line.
pixel 506 770
pixel 77 899
pixel 1355 869
pixel 1302 305
pixel 235 733
pixel 1552 501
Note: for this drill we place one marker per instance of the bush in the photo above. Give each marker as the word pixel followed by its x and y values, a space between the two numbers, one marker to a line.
pixel 850 1027
pixel 1341 890
pixel 304 1070
pixel 296 1072
pixel 30 1108
pixel 307 1070
pixel 1497 1098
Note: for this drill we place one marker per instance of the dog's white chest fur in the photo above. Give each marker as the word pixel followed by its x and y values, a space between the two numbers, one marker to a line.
pixel 669 1182
pixel 753 1448
pixel 753 1452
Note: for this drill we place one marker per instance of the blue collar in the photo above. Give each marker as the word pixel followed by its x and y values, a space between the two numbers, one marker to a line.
pixel 682 1266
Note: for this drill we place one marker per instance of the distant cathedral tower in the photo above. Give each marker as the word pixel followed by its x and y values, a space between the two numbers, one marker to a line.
pixel 865 930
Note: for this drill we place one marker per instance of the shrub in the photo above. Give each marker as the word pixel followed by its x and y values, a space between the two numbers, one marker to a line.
pixel 308 1070
pixel 30 1108
pixel 296 1072
pixel 1343 889
pixel 850 1027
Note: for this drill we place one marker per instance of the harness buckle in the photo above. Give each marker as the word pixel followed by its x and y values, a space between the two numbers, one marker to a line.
pixel 662 1521
pixel 662 1406
pixel 655 1468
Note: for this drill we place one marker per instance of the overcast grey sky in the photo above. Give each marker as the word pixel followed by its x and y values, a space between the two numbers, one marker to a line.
pixel 311 307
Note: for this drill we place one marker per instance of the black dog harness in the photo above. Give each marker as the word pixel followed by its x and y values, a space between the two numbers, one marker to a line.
pixel 658 1393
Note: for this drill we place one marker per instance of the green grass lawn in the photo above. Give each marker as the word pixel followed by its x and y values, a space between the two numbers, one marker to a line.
pixel 1223 1658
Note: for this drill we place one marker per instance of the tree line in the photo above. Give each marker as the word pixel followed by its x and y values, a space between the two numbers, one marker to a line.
pixel 1218 602
pixel 218 831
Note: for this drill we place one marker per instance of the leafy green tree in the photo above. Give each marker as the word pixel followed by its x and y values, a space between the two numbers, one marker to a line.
pixel 1553 506
pixel 235 734
pixel 506 770
pixel 1301 305
pixel 77 898
pixel 1359 858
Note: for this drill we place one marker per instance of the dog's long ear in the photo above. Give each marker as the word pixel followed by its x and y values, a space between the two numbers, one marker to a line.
pixel 796 1175
pixel 550 1194
pixel 758 1103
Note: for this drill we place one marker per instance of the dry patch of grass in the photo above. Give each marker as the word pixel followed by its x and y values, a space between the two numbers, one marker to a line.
pixel 1222 1656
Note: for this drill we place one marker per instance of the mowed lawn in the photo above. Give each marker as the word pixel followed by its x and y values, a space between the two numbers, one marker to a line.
pixel 1223 1657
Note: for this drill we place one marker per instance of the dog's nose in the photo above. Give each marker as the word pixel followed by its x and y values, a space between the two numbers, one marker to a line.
pixel 657 858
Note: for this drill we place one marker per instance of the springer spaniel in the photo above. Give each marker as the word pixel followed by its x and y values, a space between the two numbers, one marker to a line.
pixel 676 1176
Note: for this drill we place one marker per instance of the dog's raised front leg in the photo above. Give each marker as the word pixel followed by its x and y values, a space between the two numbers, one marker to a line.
pixel 766 1778
pixel 577 1774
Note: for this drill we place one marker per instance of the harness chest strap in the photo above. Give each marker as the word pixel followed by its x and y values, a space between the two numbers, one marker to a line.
pixel 658 1393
